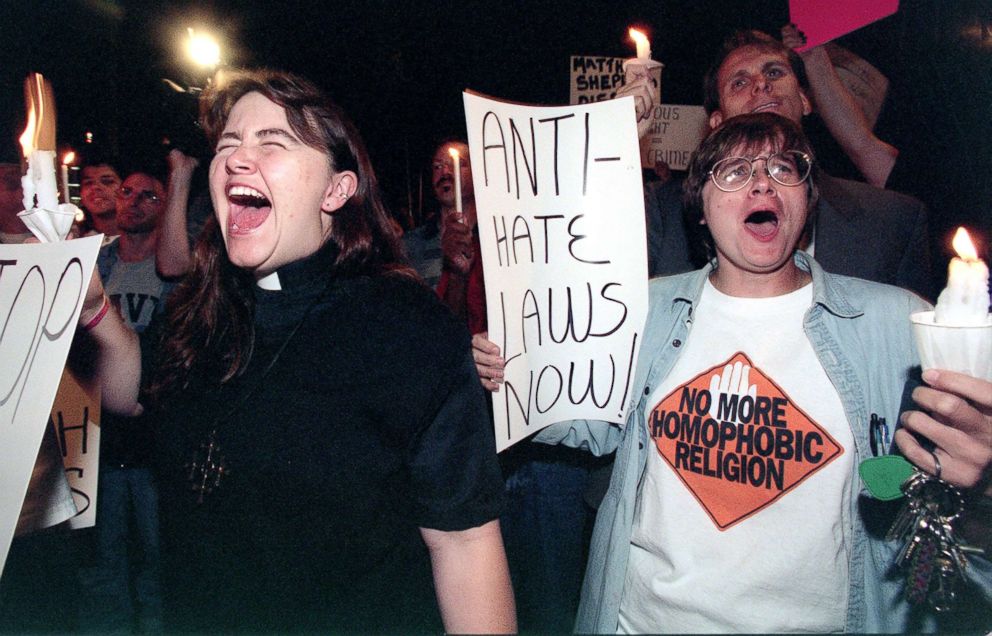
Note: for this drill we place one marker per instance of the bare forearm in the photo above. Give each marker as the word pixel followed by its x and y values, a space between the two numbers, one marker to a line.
pixel 117 362
pixel 172 254
pixel 472 580
pixel 844 118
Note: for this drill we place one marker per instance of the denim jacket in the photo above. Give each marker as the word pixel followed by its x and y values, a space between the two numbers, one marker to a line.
pixel 862 336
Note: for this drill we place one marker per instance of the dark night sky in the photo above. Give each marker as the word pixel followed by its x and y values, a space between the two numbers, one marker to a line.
pixel 398 69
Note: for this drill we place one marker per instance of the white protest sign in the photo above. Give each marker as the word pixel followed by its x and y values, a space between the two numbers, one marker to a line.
pixel 75 417
pixel 559 198
pixel 676 130
pixel 594 78
pixel 42 287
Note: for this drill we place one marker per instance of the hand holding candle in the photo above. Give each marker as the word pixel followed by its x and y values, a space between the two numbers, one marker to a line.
pixel 640 69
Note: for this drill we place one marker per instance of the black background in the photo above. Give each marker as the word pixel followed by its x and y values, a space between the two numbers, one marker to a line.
pixel 398 69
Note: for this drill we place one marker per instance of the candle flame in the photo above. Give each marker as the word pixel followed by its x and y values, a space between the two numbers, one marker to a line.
pixel 39 100
pixel 453 152
pixel 68 158
pixel 963 246
pixel 637 36
pixel 27 138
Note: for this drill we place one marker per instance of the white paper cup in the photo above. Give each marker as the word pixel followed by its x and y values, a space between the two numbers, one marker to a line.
pixel 965 349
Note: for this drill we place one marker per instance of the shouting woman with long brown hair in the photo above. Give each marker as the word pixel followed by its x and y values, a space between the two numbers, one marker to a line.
pixel 323 437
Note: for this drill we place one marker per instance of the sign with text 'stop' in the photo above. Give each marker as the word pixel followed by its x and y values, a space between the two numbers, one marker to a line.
pixel 42 287
pixel 560 207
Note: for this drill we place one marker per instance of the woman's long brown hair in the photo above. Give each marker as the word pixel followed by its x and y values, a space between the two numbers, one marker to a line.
pixel 210 329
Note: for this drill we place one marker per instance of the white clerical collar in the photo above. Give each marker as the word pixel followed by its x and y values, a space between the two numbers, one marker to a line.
pixel 270 282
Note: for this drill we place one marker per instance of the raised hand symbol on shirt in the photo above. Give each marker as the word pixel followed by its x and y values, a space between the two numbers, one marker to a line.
pixel 733 381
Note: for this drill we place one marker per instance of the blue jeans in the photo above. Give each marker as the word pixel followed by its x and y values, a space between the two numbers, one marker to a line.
pixel 545 530
pixel 126 514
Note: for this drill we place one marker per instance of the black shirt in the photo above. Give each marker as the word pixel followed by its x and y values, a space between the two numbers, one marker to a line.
pixel 371 423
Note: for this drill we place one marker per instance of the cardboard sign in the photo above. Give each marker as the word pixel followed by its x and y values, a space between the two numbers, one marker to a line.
pixel 866 83
pixel 559 198
pixel 42 287
pixel 75 417
pixel 676 131
pixel 594 78
pixel 825 20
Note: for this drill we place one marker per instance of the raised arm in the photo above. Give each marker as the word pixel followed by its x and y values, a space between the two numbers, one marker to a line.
pixel 472 580
pixel 172 253
pixel 843 116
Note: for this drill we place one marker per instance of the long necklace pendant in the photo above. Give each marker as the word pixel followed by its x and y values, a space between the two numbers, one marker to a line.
pixel 206 468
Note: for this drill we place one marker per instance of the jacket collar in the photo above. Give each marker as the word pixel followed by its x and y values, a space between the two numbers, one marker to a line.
pixel 827 290
pixel 832 200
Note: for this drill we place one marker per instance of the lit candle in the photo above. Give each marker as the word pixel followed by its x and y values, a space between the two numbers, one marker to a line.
pixel 64 173
pixel 38 145
pixel 965 300
pixel 43 167
pixel 458 180
pixel 642 42
pixel 27 148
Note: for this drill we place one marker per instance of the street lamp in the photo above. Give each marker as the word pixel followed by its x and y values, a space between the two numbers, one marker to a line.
pixel 183 132
pixel 203 49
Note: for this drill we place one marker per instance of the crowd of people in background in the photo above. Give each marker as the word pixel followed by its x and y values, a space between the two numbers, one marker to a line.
pixel 259 321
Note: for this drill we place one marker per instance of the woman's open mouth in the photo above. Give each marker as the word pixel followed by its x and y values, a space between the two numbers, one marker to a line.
pixel 248 209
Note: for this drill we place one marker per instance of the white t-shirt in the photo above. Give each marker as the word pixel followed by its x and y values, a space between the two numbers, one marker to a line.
pixel 743 519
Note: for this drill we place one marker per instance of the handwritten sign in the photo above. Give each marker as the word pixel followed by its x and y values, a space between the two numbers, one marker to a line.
pixel 676 130
pixel 825 20
pixel 75 417
pixel 41 292
pixel 594 78
pixel 561 226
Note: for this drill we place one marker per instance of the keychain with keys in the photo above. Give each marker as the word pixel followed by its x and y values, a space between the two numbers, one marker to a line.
pixel 932 556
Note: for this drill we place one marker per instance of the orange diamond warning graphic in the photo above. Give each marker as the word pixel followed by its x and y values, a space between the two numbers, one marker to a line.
pixel 737 441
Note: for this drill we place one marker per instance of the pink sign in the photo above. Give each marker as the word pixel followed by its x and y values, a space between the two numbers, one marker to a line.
pixel 825 20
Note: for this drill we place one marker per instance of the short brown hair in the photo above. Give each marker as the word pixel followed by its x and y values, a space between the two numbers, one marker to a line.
pixel 748 132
